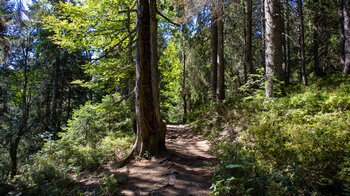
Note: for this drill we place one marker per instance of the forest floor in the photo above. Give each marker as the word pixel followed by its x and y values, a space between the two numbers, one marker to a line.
pixel 184 170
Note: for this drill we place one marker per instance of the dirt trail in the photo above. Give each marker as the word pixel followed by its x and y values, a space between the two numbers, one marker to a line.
pixel 181 171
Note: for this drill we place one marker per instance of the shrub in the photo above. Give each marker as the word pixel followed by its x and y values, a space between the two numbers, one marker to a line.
pixel 91 138
pixel 298 144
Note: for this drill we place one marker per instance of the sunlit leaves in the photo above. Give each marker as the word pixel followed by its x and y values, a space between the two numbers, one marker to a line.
pixel 105 28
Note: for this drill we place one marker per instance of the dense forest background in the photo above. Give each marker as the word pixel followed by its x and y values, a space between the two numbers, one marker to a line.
pixel 85 82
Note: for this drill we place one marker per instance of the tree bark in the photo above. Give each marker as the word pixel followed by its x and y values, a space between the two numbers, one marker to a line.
pixel 273 54
pixel 301 43
pixel 287 46
pixel 184 85
pixel 317 69
pixel 24 117
pixel 161 130
pixel 69 107
pixel 214 51
pixel 150 128
pixel 263 45
pixel 132 72
pixel 13 155
pixel 53 115
pixel 221 66
pixel 341 33
pixel 248 41
pixel 347 37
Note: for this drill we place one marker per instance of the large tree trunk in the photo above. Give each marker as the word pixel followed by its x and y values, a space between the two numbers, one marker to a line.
pixel 132 72
pixel 150 128
pixel 341 33
pixel 347 37
pixel 221 66
pixel 161 130
pixel 273 54
pixel 248 61
pixel 301 43
pixel 214 51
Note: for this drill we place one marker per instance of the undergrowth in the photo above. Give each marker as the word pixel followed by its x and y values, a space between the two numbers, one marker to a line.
pixel 292 145
pixel 96 133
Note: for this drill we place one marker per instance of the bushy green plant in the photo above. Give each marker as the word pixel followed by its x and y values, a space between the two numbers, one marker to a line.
pixel 110 183
pixel 90 139
pixel 298 144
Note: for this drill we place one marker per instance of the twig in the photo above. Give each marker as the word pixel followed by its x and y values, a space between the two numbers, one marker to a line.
pixel 127 11
pixel 113 47
pixel 125 97
pixel 167 19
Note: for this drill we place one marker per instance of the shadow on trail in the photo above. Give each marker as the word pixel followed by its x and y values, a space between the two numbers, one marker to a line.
pixel 183 170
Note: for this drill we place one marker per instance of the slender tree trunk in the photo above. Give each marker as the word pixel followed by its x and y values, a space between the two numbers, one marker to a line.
pixel 221 66
pixel 13 155
pixel 347 37
pixel 150 129
pixel 3 101
pixel 53 117
pixel 24 118
pixel 341 33
pixel 263 45
pixel 248 41
pixel 214 51
pixel 273 35
pixel 245 30
pixel 69 106
pixel 284 35
pixel 61 94
pixel 47 107
pixel 184 93
pixel 301 43
pixel 184 84
pixel 317 69
pixel 287 46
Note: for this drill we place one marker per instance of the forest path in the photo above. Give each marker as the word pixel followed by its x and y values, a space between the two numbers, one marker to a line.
pixel 183 170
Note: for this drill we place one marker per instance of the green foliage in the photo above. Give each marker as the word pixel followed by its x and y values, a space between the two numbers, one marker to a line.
pixel 254 88
pixel 171 69
pixel 103 29
pixel 92 136
pixel 297 144
pixel 238 172
pixel 90 139
pixel 110 183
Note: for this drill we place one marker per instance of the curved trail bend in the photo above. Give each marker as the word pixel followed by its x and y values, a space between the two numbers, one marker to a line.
pixel 183 170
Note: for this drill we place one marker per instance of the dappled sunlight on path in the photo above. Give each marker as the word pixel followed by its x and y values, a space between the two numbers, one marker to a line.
pixel 183 170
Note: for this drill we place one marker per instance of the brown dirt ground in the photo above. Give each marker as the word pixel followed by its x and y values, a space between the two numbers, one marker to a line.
pixel 183 170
